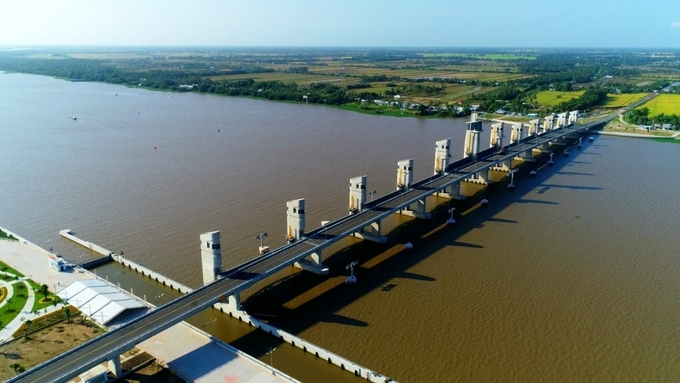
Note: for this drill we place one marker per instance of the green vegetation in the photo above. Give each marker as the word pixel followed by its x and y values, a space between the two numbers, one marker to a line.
pixel 553 97
pixel 643 116
pixel 483 56
pixel 621 100
pixel 666 140
pixel 4 235
pixel 7 269
pixel 65 314
pixel 391 81
pixel 12 308
pixel 18 300
pixel 663 104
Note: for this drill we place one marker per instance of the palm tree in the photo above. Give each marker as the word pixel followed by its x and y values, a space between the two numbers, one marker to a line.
pixel 67 312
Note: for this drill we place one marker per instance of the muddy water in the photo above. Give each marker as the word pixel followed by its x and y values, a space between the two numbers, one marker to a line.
pixel 569 277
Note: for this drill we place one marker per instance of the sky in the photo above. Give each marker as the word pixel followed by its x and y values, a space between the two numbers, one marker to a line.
pixel 346 23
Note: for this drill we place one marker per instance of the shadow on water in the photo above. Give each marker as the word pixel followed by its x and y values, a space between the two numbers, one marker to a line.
pixel 501 220
pixel 384 272
pixel 573 187
pixel 536 201
pixel 574 174
pixel 377 271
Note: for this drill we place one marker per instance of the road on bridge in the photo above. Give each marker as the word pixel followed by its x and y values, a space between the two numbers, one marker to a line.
pixel 124 338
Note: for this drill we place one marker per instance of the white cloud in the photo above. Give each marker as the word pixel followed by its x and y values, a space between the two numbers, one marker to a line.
pixel 675 24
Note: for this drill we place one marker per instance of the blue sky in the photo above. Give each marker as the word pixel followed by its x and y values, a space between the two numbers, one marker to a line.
pixel 365 23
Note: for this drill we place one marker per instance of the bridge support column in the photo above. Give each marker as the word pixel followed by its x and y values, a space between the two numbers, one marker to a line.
pixel 417 210
pixel 114 365
pixel 313 263
pixel 559 142
pixel 481 177
pixel 452 191
pixel 526 156
pixel 503 166
pixel 371 232
pixel 543 148
pixel 234 302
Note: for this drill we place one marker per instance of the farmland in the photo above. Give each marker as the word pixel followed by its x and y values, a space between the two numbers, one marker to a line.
pixel 663 103
pixel 482 56
pixel 621 100
pixel 553 97
pixel 364 79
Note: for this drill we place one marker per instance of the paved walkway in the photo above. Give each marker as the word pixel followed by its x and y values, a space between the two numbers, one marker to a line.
pixel 202 359
pixel 25 313
pixel 32 261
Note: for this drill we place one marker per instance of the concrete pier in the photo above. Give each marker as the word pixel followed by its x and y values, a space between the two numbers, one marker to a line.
pixel 126 262
pixel 311 348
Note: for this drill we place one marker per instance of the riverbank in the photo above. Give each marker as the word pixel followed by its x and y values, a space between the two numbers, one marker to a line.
pixel 620 128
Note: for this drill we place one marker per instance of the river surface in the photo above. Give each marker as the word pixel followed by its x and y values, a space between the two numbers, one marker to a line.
pixel 571 277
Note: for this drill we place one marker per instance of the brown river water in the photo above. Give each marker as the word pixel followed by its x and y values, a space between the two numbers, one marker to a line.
pixel 571 277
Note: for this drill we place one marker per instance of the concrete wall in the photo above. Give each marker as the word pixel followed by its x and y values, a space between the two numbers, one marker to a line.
pixel 300 343
pixel 92 246
pixel 152 274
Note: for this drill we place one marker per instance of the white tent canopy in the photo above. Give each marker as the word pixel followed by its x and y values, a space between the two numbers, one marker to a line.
pixel 98 300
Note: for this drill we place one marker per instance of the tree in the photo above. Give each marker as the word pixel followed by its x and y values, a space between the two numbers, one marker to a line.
pixel 28 324
pixel 44 290
pixel 17 368
pixel 67 312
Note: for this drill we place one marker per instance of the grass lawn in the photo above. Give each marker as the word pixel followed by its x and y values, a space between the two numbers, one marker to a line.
pixel 663 103
pixel 554 97
pixel 18 300
pixel 6 268
pixel 14 304
pixel 4 235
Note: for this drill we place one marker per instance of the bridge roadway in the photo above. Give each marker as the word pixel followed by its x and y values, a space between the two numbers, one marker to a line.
pixel 115 342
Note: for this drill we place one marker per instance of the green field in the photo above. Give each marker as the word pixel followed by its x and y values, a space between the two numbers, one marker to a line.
pixel 554 97
pixel 663 103
pixel 486 56
pixel 620 100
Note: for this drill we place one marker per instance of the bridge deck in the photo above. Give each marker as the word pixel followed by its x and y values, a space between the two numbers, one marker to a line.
pixel 240 277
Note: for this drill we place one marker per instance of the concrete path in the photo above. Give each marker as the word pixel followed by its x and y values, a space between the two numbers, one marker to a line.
pixel 26 256
pixel 25 313
pixel 201 359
